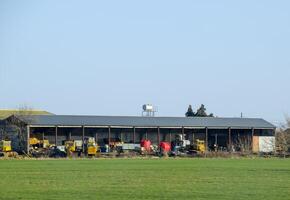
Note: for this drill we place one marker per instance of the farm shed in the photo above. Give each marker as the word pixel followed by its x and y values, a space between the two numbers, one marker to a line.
pixel 229 134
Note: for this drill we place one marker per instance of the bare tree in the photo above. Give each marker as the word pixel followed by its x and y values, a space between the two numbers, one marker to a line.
pixel 283 139
pixel 244 143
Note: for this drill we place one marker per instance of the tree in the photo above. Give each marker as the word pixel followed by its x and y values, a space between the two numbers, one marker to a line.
pixel 283 139
pixel 244 143
pixel 201 112
pixel 189 112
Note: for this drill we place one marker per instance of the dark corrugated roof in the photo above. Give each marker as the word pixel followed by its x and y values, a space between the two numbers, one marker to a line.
pixel 75 120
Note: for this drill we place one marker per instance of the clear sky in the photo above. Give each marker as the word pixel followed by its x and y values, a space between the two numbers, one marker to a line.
pixel 110 57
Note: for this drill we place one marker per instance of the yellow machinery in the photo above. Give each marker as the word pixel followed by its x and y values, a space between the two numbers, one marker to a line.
pixel 34 142
pixel 70 146
pixel 39 148
pixel 73 147
pixel 45 143
pixel 200 145
pixel 91 150
pixel 6 149
pixel 91 147
pixel 5 146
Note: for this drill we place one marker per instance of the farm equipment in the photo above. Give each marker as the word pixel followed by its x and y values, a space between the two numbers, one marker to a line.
pixel 5 146
pixel 42 148
pixel 6 149
pixel 197 147
pixel 73 147
pixel 200 146
pixel 165 148
pixel 36 143
pixel 39 148
pixel 91 148
pixel 128 149
pixel 70 146
pixel 114 143
pixel 57 152
pixel 146 146
pixel 180 145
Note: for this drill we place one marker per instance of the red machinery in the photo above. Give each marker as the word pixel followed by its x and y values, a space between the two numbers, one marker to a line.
pixel 165 147
pixel 146 144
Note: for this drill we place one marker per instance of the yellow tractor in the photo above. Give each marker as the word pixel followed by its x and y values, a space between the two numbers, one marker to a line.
pixel 5 145
pixel 91 147
pixel 70 147
pixel 200 146
pixel 6 149
pixel 91 150
pixel 73 147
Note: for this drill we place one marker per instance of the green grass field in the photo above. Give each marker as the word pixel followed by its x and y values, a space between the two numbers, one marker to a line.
pixel 145 179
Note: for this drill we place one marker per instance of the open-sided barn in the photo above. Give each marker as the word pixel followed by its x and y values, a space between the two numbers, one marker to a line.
pixel 230 134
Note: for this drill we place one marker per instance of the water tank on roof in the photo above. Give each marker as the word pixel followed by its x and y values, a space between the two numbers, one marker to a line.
pixel 148 110
pixel 148 107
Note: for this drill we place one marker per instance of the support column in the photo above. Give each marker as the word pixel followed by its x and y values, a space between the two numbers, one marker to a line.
pixel 183 135
pixel 230 139
pixel 158 135
pixel 134 134
pixel 170 137
pixel 146 134
pixel 55 139
pixel 96 137
pixel 42 136
pixel 206 139
pixel 28 138
pixel 83 137
pixel 109 135
pixel 253 131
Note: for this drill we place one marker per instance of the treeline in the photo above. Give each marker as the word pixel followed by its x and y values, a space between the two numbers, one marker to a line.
pixel 200 112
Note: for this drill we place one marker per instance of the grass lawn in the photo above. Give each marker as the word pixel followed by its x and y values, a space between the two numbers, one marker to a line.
pixel 145 179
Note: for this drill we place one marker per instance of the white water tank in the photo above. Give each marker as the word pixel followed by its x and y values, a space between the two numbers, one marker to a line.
pixel 148 107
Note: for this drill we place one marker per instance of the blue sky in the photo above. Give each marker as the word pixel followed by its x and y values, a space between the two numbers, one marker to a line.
pixel 110 57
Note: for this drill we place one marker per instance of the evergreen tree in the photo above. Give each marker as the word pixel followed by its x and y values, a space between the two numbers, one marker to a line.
pixel 189 112
pixel 201 112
